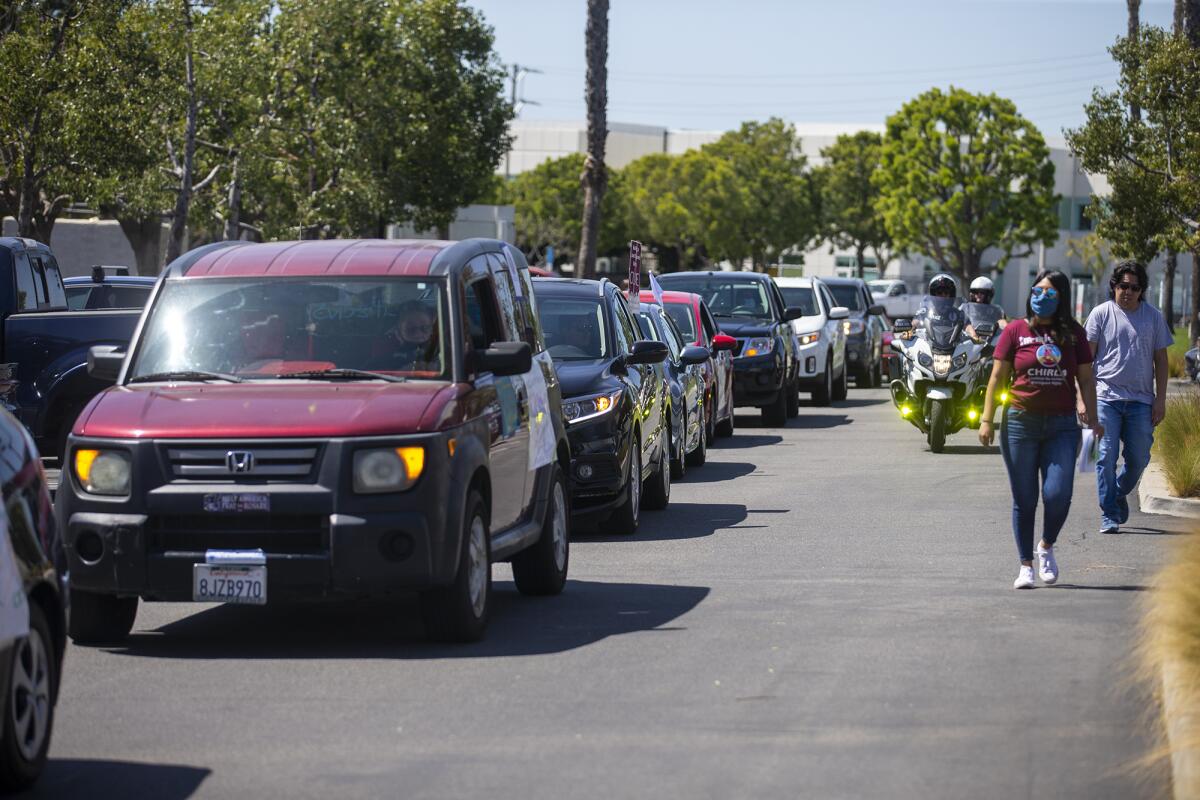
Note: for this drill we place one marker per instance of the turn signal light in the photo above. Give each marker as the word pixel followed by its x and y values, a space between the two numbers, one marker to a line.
pixel 414 461
pixel 83 463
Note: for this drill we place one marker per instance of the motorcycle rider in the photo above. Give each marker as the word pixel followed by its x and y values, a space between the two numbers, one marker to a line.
pixel 982 290
pixel 940 285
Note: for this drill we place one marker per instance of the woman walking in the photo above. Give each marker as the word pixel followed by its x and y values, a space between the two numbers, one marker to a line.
pixel 1045 354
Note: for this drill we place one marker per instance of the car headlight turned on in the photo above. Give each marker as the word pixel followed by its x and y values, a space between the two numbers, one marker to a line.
pixel 387 469
pixel 581 409
pixel 758 347
pixel 103 471
pixel 853 326
pixel 809 338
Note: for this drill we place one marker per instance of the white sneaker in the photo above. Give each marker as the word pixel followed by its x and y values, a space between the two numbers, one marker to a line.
pixel 1047 565
pixel 1024 578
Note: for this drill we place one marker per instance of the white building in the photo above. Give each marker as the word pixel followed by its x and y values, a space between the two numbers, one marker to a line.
pixel 537 141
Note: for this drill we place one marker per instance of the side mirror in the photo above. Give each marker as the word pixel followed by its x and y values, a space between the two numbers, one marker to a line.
pixel 723 342
pixel 876 311
pixel 793 312
pixel 694 355
pixel 647 352
pixel 505 358
pixel 104 362
pixel 902 325
pixel 839 312
pixel 985 329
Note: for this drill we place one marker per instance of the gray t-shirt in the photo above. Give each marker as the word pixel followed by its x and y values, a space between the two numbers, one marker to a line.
pixel 1126 342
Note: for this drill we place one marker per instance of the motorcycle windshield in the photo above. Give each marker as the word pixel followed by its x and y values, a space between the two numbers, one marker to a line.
pixel 980 313
pixel 943 322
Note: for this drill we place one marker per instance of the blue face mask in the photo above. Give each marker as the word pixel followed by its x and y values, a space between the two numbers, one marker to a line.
pixel 1044 305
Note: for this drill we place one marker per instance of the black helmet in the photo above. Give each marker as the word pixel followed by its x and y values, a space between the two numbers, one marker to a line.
pixel 942 285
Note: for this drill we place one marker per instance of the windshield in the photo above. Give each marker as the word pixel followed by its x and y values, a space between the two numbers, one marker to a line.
pixel 260 328
pixel 979 313
pixel 573 327
pixel 726 297
pixel 848 295
pixel 681 315
pixel 879 287
pixel 942 321
pixel 801 297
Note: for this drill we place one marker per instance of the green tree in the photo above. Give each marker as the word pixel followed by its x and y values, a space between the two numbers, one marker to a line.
pixel 962 173
pixel 652 211
pixel 849 216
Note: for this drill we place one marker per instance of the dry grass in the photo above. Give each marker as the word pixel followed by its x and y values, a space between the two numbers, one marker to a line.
pixel 1177 445
pixel 1175 360
pixel 1170 645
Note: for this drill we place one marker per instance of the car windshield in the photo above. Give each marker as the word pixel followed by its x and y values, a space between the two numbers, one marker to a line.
pixel 801 297
pixel 879 287
pixel 261 328
pixel 682 315
pixel 847 294
pixel 726 297
pixel 573 327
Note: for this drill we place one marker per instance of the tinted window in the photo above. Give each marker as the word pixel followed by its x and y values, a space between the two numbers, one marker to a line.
pixel 848 295
pixel 726 297
pixel 800 297
pixel 573 327
pixel 114 297
pixel 483 320
pixel 827 299
pixel 54 288
pixel 682 316
pixel 710 327
pixel 77 297
pixel 674 338
pixel 27 298
pixel 626 331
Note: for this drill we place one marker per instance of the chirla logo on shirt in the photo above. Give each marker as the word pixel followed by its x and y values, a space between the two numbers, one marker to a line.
pixel 1048 356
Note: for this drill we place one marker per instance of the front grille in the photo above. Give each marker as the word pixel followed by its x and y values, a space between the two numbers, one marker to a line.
pixel 243 462
pixel 303 534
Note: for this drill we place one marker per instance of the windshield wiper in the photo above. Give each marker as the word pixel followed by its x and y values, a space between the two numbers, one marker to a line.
pixel 187 375
pixel 336 374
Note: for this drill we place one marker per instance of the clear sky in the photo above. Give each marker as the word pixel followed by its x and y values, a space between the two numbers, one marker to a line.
pixel 710 64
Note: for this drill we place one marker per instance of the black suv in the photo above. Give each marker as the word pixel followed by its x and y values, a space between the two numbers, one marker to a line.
pixel 749 307
pixel 864 329
pixel 614 400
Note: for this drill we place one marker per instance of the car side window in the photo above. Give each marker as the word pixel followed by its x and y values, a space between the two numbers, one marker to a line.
pixel 529 313
pixel 27 296
pixel 482 316
pixel 827 298
pixel 514 329
pixel 674 340
pixel 709 325
pixel 626 330
pixel 114 297
pixel 898 290
pixel 55 295
pixel 777 299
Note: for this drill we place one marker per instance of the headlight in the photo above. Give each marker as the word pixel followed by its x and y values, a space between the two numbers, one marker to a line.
pixel 103 471
pixel 809 338
pixel 960 360
pixel 941 365
pixel 579 409
pixel 387 469
pixel 924 360
pixel 758 347
pixel 853 326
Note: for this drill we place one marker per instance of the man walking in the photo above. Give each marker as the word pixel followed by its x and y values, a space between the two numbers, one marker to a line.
pixel 1129 338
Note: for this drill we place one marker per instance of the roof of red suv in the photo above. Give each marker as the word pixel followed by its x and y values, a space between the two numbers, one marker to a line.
pixel 688 298
pixel 360 257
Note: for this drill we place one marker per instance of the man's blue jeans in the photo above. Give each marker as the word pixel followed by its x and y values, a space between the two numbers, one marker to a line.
pixel 1128 423
pixel 1039 449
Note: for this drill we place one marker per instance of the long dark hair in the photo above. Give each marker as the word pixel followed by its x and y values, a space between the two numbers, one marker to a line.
pixel 1062 326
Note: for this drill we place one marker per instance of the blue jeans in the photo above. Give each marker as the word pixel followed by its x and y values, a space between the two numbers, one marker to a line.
pixel 1125 422
pixel 1039 449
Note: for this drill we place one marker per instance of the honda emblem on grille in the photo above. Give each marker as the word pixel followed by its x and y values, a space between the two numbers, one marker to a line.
pixel 239 461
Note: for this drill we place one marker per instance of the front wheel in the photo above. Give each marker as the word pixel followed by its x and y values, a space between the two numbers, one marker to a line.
pixel 697 457
pixel 725 427
pixel 658 493
pixel 542 568
pixel 29 706
pixel 624 521
pixel 824 393
pixel 840 389
pixel 100 618
pixel 775 415
pixel 793 399
pixel 937 425
pixel 459 612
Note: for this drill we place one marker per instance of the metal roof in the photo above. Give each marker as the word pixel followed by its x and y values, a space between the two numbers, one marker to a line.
pixel 359 257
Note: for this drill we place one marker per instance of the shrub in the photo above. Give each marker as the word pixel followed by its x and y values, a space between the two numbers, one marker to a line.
pixel 1175 362
pixel 1177 444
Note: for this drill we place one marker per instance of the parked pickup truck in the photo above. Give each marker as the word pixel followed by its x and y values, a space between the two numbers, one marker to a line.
pixel 48 344
pixel 895 298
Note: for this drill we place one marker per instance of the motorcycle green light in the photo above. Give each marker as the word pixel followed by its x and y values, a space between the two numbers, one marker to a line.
pixel 972 415
pixel 905 411
pixel 1003 397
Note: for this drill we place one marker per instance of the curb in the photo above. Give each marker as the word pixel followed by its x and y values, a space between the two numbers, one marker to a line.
pixel 1155 496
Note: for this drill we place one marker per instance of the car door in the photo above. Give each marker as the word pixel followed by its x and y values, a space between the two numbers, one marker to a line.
pixel 722 365
pixel 783 329
pixel 646 377
pixel 509 433
pixel 835 328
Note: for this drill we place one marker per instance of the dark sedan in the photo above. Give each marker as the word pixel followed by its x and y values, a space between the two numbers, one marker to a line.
pixel 683 371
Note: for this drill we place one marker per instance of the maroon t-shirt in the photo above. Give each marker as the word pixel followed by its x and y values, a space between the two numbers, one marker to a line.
pixel 1043 373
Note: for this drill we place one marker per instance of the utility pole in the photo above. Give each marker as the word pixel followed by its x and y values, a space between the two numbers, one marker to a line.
pixel 516 73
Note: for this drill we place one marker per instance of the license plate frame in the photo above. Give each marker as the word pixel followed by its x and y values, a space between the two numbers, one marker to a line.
pixel 237 584
pixel 237 503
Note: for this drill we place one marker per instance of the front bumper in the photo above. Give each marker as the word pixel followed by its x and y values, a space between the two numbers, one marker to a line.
pixel 600 451
pixel 320 539
pixel 811 363
pixel 757 380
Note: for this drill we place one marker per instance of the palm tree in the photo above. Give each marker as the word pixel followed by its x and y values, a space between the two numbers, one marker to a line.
pixel 594 177
pixel 1135 113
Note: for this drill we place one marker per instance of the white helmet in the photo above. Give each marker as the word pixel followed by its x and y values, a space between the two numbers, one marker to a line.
pixel 983 286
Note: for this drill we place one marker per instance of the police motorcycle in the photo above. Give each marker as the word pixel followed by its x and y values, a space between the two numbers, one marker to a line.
pixel 943 372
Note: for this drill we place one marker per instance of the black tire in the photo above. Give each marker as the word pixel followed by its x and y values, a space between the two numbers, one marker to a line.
pixel 775 415
pixel 29 705
pixel 100 618
pixel 725 426
pixel 824 393
pixel 840 387
pixel 793 399
pixel 937 425
pixel 697 457
pixel 459 612
pixel 710 422
pixel 624 521
pixel 658 494
pixel 679 463
pixel 542 568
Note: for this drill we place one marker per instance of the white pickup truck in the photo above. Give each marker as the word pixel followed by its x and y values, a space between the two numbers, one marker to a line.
pixel 894 296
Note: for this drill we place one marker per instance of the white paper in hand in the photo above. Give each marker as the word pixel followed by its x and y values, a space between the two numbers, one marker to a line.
pixel 1089 453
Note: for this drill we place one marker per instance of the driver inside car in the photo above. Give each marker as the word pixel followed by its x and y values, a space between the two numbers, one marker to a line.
pixel 411 344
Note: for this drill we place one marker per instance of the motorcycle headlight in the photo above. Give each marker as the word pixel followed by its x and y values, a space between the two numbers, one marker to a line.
pixel 580 409
pixel 924 359
pixel 387 469
pixel 809 338
pixel 941 365
pixel 758 347
pixel 103 471
pixel 960 360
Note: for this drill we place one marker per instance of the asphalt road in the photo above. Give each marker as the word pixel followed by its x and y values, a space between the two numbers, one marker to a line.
pixel 825 611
